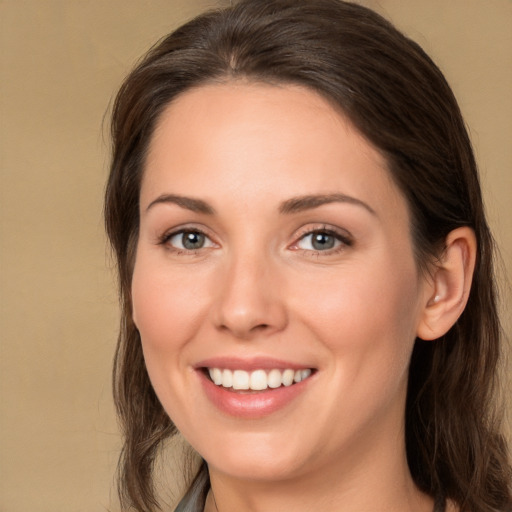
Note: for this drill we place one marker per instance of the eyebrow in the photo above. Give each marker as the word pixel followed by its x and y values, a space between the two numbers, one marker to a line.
pixel 189 203
pixel 293 205
pixel 308 202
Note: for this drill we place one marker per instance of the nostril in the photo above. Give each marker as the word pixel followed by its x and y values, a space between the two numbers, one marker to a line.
pixel 243 333
pixel 260 327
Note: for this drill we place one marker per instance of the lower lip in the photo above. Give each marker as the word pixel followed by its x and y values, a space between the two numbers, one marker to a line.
pixel 251 405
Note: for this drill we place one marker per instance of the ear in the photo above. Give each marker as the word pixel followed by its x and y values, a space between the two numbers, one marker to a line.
pixel 448 290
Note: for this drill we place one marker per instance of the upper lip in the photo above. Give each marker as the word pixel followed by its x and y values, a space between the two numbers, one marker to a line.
pixel 250 364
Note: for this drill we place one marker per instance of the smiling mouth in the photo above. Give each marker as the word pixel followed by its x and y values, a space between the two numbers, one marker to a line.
pixel 257 380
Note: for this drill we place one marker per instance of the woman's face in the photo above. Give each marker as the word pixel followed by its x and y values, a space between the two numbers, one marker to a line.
pixel 274 247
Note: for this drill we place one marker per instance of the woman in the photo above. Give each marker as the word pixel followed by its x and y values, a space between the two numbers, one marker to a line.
pixel 305 269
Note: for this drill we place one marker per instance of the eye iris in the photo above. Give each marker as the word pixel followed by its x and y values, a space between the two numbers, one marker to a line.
pixel 322 241
pixel 192 240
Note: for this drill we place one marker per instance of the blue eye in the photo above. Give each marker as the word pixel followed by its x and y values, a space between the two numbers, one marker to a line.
pixel 321 240
pixel 189 240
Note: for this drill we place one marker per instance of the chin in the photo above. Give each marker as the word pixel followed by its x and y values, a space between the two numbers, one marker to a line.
pixel 256 459
pixel 257 468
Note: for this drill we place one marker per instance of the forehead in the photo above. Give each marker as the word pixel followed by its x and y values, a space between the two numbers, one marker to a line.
pixel 231 111
pixel 276 140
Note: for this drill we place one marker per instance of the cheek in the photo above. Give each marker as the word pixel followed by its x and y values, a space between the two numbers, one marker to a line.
pixel 367 320
pixel 167 307
pixel 168 310
pixel 359 300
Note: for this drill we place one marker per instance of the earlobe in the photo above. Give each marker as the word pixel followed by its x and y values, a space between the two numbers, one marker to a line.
pixel 448 290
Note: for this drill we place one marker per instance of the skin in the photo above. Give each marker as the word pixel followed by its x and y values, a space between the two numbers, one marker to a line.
pixel 259 288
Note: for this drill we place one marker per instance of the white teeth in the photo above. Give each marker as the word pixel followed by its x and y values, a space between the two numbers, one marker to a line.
pixel 240 379
pixel 274 379
pixel 257 380
pixel 300 375
pixel 288 377
pixel 227 378
pixel 216 376
pixel 304 374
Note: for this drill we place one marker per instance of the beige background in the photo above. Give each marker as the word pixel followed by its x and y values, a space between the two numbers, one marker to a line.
pixel 61 61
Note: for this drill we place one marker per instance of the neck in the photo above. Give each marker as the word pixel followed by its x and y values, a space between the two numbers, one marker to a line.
pixel 389 496
pixel 374 478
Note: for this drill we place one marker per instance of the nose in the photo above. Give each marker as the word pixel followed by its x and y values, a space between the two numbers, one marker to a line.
pixel 250 300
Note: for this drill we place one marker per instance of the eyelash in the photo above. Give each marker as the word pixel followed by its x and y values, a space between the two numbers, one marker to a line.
pixel 345 240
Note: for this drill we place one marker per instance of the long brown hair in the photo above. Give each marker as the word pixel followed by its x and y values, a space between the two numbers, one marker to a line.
pixel 399 100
